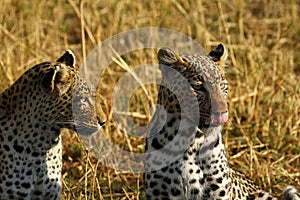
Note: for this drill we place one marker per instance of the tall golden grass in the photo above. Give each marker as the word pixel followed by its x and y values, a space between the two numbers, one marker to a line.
pixel 262 37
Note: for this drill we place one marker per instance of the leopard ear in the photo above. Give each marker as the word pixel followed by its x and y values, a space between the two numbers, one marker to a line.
pixel 58 76
pixel 168 56
pixel 56 79
pixel 68 58
pixel 219 54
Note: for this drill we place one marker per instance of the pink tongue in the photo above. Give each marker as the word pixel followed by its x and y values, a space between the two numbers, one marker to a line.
pixel 219 118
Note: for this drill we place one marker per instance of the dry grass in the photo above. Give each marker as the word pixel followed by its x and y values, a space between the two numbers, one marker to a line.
pixel 264 75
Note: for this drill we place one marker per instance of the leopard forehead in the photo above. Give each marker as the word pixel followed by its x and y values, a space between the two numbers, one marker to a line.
pixel 202 66
pixel 207 68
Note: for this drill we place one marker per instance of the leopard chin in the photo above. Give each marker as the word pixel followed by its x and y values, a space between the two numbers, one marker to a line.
pixel 87 131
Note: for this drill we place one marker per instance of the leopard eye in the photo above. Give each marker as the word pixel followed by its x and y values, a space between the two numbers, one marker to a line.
pixel 199 87
pixel 184 59
pixel 85 100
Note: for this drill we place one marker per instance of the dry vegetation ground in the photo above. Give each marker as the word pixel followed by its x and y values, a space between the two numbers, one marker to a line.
pixel 263 37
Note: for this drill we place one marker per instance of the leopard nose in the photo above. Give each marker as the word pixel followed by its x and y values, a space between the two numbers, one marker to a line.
pixel 219 118
pixel 100 122
pixel 218 101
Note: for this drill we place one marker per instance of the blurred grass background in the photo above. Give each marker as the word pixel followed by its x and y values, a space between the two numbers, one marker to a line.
pixel 262 37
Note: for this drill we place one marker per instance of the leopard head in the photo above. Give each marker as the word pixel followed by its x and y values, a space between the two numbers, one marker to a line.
pixel 193 82
pixel 68 100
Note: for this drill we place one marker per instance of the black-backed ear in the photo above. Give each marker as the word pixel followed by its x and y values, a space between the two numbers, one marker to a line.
pixel 68 58
pixel 219 53
pixel 56 79
pixel 168 56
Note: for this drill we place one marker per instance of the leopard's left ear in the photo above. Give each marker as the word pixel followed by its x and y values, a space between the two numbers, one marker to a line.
pixel 56 79
pixel 219 55
pixel 68 58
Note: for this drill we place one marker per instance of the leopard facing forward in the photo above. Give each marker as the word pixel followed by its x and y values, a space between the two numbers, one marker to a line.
pixel 46 98
pixel 185 156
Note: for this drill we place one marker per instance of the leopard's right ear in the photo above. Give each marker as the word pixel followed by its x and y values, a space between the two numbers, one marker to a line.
pixel 68 59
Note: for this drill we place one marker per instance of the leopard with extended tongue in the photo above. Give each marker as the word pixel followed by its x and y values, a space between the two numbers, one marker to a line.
pixel 185 156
